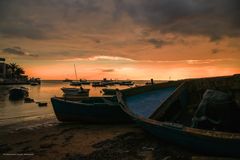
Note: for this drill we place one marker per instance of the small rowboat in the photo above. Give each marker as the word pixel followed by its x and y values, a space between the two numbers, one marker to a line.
pixel 18 93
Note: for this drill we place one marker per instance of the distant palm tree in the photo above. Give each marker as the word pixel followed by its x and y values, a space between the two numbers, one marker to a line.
pixel 19 71
pixel 15 70
pixel 13 67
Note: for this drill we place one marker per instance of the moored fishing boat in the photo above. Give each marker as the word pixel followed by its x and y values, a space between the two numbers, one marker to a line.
pixel 34 83
pixel 107 82
pixel 79 83
pixel 150 83
pixel 75 91
pixel 67 80
pixel 126 83
pixel 18 93
pixel 84 82
pixel 170 116
pixel 99 84
pixel 89 109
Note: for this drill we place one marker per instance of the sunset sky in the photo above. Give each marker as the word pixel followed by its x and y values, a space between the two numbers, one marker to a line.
pixel 121 39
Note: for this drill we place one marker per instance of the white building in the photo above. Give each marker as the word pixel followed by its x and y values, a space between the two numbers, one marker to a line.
pixel 2 68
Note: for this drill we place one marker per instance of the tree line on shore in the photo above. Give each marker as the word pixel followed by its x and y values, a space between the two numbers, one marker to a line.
pixel 14 71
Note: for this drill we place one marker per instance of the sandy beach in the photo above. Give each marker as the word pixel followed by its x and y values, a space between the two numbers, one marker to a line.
pixel 65 141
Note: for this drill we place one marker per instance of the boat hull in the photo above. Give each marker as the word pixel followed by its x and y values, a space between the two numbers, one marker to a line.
pixel 196 142
pixel 70 111
pixel 75 92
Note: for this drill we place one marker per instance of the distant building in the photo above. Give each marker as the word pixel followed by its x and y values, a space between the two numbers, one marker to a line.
pixel 2 68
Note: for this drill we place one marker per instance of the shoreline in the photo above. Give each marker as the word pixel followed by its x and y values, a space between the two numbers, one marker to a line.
pixel 29 122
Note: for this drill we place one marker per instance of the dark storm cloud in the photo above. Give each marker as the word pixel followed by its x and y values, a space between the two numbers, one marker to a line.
pixel 215 18
pixel 158 43
pixel 18 19
pixel 36 19
pixel 22 31
pixel 18 51
pixel 43 19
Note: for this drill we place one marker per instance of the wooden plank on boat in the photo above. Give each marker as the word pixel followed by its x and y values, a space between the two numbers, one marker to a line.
pixel 146 103
pixel 161 109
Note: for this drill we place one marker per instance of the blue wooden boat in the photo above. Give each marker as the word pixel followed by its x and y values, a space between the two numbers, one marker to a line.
pixel 89 110
pixel 165 110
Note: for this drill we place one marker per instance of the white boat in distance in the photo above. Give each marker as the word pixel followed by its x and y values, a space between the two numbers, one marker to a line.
pixel 75 91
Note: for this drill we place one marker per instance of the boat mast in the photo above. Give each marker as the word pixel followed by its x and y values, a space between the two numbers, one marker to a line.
pixel 75 72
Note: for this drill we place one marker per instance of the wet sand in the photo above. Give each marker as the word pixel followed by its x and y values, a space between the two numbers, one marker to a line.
pixel 61 141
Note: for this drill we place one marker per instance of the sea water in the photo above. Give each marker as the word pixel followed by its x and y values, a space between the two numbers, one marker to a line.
pixel 18 111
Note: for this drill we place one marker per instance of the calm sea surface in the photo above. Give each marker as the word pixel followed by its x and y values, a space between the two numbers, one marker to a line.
pixel 17 111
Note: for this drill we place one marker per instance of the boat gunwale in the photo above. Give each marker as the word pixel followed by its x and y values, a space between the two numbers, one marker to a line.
pixel 82 103
pixel 92 117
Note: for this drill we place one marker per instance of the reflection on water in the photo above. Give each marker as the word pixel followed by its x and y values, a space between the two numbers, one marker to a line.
pixel 14 111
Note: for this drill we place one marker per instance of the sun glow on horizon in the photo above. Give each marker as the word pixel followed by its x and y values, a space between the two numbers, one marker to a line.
pixel 136 70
